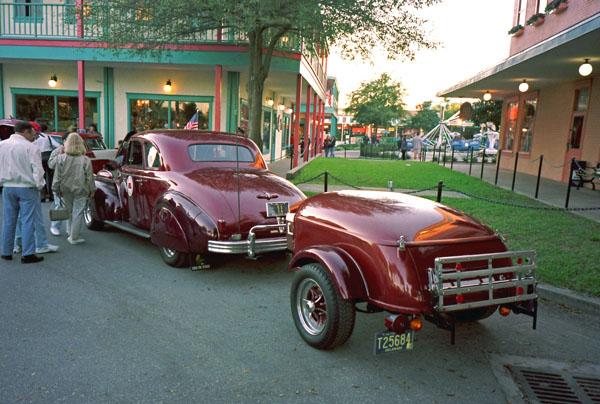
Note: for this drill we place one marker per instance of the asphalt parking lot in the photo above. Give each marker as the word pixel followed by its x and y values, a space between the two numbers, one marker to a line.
pixel 108 322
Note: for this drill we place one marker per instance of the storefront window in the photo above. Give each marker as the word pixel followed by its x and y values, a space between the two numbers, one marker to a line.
pixel 527 128
pixel 244 116
pixel 511 125
pixel 182 112
pixel 579 111
pixel 154 113
pixel 59 113
pixel 266 133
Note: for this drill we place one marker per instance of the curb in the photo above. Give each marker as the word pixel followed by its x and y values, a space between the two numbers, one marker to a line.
pixel 569 298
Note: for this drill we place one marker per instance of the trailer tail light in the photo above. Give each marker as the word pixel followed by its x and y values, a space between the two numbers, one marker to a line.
pixel 504 311
pixel 519 260
pixel 459 266
pixel 520 290
pixel 397 323
pixel 460 298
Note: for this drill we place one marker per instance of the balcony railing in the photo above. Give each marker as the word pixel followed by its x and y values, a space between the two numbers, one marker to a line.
pixel 59 21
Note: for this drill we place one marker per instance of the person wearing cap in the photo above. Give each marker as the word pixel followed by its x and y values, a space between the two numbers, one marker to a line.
pixel 46 144
pixel 22 176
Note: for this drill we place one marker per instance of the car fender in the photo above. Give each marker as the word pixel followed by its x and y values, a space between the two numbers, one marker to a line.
pixel 106 203
pixel 181 225
pixel 342 267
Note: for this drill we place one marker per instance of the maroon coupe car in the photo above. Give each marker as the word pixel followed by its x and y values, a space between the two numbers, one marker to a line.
pixel 413 258
pixel 194 193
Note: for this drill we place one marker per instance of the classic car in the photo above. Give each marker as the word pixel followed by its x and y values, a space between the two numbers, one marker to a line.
pixel 194 194
pixel 416 259
pixel 96 149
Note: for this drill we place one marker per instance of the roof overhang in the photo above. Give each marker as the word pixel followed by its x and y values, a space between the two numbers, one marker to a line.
pixel 551 61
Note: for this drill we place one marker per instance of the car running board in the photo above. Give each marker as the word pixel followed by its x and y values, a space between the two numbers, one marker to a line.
pixel 129 228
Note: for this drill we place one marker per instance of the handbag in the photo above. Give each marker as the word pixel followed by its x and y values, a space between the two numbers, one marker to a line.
pixel 60 213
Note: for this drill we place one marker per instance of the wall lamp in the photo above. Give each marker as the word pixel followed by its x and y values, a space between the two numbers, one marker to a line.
pixel 53 80
pixel 524 86
pixel 289 110
pixel 586 68
pixel 281 107
pixel 270 101
pixel 167 87
pixel 487 96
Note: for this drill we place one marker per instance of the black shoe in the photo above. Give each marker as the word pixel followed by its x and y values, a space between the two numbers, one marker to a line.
pixel 30 259
pixel 7 257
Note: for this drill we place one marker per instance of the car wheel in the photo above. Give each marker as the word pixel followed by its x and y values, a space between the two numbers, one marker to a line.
pixel 469 316
pixel 323 319
pixel 89 220
pixel 174 258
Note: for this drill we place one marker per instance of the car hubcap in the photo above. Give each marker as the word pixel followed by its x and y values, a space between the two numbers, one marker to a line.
pixel 168 252
pixel 311 306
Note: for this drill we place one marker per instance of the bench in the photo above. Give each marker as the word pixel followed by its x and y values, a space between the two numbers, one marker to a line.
pixel 582 174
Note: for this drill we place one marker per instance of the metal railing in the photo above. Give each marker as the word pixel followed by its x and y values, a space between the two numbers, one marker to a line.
pixel 59 21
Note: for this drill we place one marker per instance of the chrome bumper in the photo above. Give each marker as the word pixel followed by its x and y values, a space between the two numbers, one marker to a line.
pixel 449 282
pixel 252 246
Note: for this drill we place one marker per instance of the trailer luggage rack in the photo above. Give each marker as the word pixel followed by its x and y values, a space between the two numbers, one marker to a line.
pixel 519 276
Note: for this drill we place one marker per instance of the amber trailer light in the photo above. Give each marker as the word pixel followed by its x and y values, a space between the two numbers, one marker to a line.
pixel 504 311
pixel 416 324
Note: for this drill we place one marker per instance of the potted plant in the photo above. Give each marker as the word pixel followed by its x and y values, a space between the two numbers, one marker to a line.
pixel 517 30
pixel 536 19
pixel 557 6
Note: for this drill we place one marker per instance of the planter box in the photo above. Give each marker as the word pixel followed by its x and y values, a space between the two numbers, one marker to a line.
pixel 519 32
pixel 560 8
pixel 538 22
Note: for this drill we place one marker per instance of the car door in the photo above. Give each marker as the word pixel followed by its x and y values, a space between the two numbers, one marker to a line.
pixel 152 185
pixel 131 190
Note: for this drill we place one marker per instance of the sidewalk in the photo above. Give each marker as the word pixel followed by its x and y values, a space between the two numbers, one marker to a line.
pixel 551 192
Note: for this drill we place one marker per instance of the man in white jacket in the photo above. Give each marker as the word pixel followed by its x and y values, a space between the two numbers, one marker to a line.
pixel 22 176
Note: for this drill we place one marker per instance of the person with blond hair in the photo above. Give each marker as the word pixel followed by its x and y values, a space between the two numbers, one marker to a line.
pixel 74 183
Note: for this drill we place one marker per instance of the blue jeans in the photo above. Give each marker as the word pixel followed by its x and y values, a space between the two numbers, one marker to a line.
pixel 39 227
pixel 15 201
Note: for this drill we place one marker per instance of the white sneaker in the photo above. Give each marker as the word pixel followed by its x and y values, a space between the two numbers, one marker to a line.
pixel 55 232
pixel 17 249
pixel 48 248
pixel 76 241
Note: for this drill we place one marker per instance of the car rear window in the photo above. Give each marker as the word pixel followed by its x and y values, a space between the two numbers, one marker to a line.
pixel 216 152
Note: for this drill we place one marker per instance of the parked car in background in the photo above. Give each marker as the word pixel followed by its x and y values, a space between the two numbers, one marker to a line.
pixel 96 149
pixel 194 193
pixel 411 257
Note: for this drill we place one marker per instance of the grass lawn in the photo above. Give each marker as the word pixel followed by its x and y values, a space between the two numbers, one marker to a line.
pixel 568 246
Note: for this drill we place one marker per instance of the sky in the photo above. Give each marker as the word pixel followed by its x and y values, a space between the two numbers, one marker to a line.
pixel 474 37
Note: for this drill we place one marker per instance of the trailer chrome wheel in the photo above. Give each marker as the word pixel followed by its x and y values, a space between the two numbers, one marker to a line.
pixel 323 319
pixel 312 306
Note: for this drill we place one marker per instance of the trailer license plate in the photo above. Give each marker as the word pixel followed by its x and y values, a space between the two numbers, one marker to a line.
pixel 386 342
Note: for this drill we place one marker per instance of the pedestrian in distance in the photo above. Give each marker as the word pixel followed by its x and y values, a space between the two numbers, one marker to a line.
pixel 403 147
pixel 74 183
pixel 22 176
pixel 332 142
pixel 417 145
